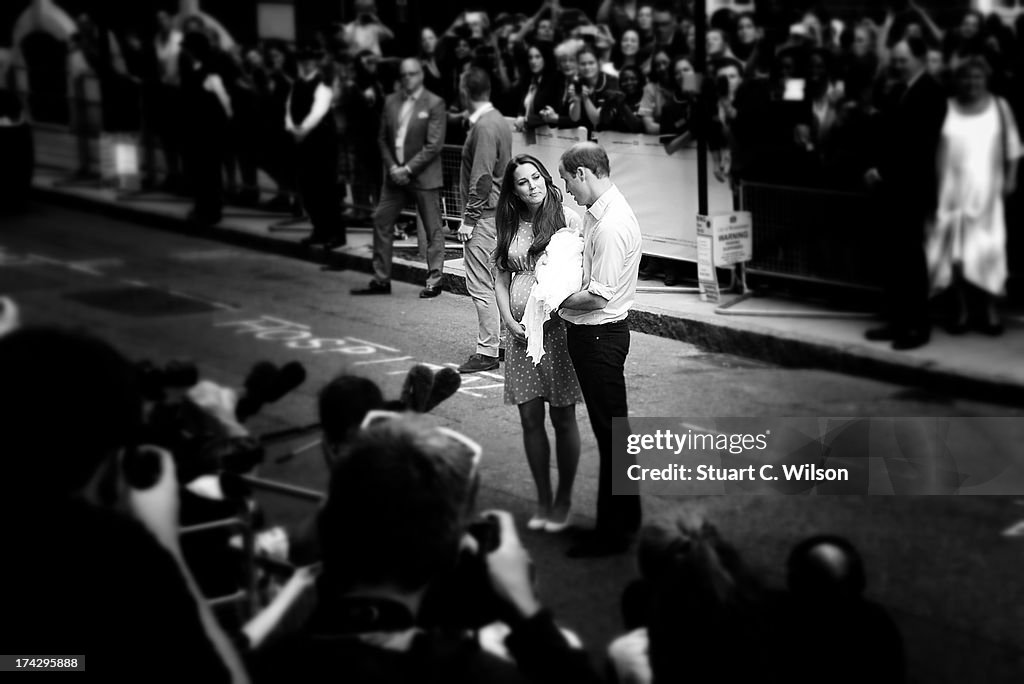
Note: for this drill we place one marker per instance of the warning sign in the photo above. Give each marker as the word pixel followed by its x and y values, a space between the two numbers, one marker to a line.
pixel 723 240
pixel 734 238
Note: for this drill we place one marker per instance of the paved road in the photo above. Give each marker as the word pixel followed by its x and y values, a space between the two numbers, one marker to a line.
pixel 940 564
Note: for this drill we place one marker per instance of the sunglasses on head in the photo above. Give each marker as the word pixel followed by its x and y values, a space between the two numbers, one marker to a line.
pixel 376 417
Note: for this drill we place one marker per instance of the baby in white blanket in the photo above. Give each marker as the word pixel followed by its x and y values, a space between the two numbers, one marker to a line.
pixel 559 274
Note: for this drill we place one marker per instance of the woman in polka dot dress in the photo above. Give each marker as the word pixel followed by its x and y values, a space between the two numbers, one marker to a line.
pixel 529 212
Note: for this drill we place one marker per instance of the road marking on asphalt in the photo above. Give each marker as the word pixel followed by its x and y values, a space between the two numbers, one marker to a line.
pixel 378 346
pixel 496 376
pixel 204 300
pixel 431 366
pixel 391 360
pixel 300 336
pixel 87 266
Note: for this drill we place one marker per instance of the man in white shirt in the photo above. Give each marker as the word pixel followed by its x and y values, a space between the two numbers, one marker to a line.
pixel 598 333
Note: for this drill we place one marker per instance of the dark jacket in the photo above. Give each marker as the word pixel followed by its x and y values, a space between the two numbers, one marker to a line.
pixel 912 122
pixel 321 652
pixel 549 94
pixel 424 138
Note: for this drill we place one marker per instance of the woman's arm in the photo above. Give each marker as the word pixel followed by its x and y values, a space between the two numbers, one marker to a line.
pixel 531 23
pixel 593 112
pixel 215 85
pixel 937 33
pixel 502 283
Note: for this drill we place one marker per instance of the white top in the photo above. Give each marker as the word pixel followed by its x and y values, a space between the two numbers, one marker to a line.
pixel 167 52
pixel 611 259
pixel 404 116
pixel 361 37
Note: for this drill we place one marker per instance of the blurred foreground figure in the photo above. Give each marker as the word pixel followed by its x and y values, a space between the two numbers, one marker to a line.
pixel 95 569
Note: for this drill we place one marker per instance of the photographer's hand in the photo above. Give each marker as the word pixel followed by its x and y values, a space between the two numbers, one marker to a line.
pixel 509 569
pixel 157 507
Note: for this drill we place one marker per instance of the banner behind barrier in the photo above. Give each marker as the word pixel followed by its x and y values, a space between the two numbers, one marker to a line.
pixel 662 189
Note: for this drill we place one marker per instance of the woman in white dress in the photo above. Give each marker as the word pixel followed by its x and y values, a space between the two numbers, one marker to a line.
pixel 978 158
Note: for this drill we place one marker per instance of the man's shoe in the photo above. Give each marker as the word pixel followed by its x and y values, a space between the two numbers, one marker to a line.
pixel 912 339
pixel 334 243
pixel 478 363
pixel 597 545
pixel 429 292
pixel 884 333
pixel 374 288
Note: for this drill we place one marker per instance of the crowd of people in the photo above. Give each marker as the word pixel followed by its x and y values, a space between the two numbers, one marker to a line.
pixel 406 580
pixel 804 100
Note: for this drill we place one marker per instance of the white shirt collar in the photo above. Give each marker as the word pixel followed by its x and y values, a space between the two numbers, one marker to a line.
pixel 600 206
pixel 415 94
pixel 475 116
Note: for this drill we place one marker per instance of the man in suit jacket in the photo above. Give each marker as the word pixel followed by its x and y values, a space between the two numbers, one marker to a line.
pixel 411 137
pixel 907 179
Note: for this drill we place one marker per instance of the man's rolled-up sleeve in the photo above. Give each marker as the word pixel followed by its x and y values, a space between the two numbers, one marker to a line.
pixel 608 265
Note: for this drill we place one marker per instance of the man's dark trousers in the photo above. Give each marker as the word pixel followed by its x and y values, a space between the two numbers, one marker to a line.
pixel 598 354
pixel 392 200
pixel 317 171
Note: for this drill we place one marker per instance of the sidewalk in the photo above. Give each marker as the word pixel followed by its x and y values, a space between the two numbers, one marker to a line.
pixel 774 330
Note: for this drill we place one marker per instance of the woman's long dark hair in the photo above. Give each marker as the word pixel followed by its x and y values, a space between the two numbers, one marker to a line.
pixel 550 217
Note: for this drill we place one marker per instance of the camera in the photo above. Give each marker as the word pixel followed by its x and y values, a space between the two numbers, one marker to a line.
pixel 577 87
pixel 487 533
pixel 464 599
pixel 722 86
pixel 155 380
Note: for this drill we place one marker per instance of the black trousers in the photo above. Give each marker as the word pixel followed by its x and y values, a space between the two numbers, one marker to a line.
pixel 905 280
pixel 598 353
pixel 317 176
pixel 203 157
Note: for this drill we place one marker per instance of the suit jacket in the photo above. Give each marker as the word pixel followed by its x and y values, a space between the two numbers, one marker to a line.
pixel 424 138
pixel 912 129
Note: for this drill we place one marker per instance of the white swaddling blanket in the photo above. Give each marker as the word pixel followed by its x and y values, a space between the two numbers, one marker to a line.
pixel 559 274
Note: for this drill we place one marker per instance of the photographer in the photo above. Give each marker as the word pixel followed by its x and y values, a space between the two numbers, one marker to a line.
pixel 393 531
pixel 367 31
pixel 74 493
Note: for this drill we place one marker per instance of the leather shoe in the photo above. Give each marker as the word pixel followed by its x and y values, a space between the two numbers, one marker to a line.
pixel 334 243
pixel 429 292
pixel 477 363
pixel 374 288
pixel 597 545
pixel 883 333
pixel 912 339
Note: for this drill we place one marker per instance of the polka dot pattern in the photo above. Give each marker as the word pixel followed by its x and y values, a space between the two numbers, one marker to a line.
pixel 555 378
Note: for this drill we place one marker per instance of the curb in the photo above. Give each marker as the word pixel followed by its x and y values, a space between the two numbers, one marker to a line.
pixel 768 347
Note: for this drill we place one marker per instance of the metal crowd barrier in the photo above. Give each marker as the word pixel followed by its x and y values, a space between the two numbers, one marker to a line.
pixel 799 233
pixel 812 235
